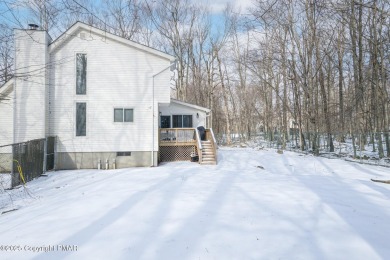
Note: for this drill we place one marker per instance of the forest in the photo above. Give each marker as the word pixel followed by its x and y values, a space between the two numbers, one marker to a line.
pixel 312 71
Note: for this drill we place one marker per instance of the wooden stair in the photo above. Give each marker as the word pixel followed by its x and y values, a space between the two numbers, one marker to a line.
pixel 208 156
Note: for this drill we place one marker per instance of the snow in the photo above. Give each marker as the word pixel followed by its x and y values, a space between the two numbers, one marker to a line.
pixel 5 181
pixel 368 155
pixel 297 207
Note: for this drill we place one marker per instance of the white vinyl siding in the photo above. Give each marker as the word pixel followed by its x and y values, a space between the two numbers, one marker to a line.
pixel 198 116
pixel 6 125
pixel 31 61
pixel 118 76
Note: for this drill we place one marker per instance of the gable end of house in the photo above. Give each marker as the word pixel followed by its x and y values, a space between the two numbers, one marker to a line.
pixel 87 32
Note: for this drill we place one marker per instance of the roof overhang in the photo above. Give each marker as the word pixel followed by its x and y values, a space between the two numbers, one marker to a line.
pixel 175 101
pixel 74 30
pixel 7 88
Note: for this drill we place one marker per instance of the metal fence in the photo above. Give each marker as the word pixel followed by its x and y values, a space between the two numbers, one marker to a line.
pixel 25 161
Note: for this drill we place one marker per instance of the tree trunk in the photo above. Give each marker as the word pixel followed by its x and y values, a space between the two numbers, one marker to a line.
pixel 225 99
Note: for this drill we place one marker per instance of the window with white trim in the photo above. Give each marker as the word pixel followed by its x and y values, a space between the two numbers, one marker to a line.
pixel 123 115
pixel 81 119
pixel 81 73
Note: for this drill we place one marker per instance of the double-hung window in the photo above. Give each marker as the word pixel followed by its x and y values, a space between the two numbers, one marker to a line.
pixel 123 115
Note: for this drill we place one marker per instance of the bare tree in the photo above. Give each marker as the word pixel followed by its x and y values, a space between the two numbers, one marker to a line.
pixel 6 54
pixel 124 17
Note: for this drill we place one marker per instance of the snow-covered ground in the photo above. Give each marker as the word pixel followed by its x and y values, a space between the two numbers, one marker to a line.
pixel 5 181
pixel 368 155
pixel 252 205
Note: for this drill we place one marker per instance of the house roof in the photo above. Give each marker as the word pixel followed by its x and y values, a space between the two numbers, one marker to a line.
pixel 189 105
pixel 78 26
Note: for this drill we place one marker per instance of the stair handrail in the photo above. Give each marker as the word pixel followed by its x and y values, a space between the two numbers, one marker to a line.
pixel 200 148
pixel 215 146
pixel 213 136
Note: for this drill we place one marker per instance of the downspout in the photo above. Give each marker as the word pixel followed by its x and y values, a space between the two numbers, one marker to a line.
pixel 172 68
pixel 152 165
pixel 14 98
pixel 208 119
pixel 13 115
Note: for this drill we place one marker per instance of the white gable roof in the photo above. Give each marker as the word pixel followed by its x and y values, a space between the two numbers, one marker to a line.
pixel 175 101
pixel 79 26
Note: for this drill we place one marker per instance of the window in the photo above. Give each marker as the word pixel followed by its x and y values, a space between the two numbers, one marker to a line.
pixel 123 115
pixel 123 154
pixel 81 74
pixel 165 121
pixel 182 121
pixel 187 120
pixel 81 119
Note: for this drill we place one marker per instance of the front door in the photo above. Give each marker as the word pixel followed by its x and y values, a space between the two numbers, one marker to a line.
pixel 165 121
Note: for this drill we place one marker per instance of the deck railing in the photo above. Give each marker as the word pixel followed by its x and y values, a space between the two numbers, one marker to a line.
pixel 177 136
pixel 211 137
pixel 182 142
pixel 199 145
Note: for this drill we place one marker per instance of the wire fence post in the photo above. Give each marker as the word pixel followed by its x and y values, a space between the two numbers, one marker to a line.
pixel 44 156
pixel 55 153
pixel 14 174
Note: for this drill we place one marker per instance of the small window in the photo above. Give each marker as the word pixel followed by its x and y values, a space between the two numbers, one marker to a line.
pixel 165 121
pixel 123 154
pixel 81 119
pixel 187 120
pixel 123 115
pixel 128 115
pixel 182 121
pixel 81 74
pixel 118 115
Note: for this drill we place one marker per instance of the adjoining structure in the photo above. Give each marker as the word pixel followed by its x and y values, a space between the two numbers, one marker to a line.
pixel 178 137
pixel 104 97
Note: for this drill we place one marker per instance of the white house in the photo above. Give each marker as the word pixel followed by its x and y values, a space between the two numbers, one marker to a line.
pixel 104 97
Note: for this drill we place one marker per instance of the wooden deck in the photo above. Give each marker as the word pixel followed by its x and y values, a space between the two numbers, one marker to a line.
pixel 177 136
pixel 179 144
